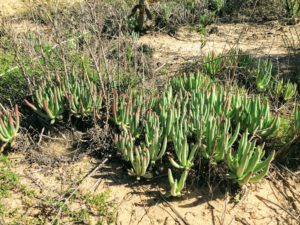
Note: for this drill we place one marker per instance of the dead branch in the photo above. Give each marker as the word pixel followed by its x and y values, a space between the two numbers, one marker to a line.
pixel 279 206
pixel 65 199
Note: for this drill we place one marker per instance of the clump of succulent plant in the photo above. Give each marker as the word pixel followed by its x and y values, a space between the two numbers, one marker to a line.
pixel 140 160
pixel 177 185
pixel 246 165
pixel 263 74
pixel 213 64
pixel 127 112
pixel 82 96
pixel 73 93
pixel 191 118
pixel 185 152
pixel 125 144
pixel 50 101
pixel 9 125
pixel 191 82
pixel 255 116
pixel 218 138
pixel 155 138
pixel 286 91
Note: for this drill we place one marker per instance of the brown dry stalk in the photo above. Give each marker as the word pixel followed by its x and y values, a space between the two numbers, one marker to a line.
pixel 264 200
pixel 144 10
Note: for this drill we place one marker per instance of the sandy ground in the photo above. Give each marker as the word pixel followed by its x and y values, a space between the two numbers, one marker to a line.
pixel 16 7
pixel 272 39
pixel 143 203
pixel 11 7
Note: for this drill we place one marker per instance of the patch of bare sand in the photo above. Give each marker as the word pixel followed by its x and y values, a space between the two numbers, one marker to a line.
pixel 143 204
pixel 24 26
pixel 271 39
pixel 16 7
pixel 11 7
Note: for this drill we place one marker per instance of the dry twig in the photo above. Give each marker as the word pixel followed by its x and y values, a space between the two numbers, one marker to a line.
pixel 264 200
pixel 65 199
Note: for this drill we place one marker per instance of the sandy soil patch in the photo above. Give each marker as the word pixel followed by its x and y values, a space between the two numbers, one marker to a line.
pixel 144 202
pixel 271 39
pixel 11 7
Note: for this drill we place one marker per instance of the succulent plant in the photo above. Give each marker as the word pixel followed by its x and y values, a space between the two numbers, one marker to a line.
pixel 177 186
pixel 256 117
pixel 292 7
pixel 217 5
pixel 184 152
pixel 246 165
pixel 216 99
pixel 136 125
pixel 212 64
pixel 155 137
pixel 235 107
pixel 127 113
pixel 121 110
pixel 140 160
pixel 286 91
pixel 266 132
pixel 165 109
pixel 191 82
pixel 167 99
pixel 82 96
pixel 263 74
pixel 73 92
pixel 279 88
pixel 193 113
pixel 9 125
pixel 125 144
pixel 218 139
pixel 50 101
pixel 198 112
pixel 290 91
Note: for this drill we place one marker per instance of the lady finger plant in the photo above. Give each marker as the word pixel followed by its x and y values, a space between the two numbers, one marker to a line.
pixel 50 102
pixel 83 97
pixel 279 88
pixel 156 140
pixel 184 152
pixel 125 144
pixel 256 117
pixel 191 82
pixel 140 160
pixel 121 110
pixel 213 64
pixel 246 165
pixel 286 91
pixel 263 74
pixel 177 186
pixel 127 113
pixel 218 140
pixel 290 91
pixel 292 7
pixel 9 125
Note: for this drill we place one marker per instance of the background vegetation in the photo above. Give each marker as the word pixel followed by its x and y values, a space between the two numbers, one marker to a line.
pixel 85 71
